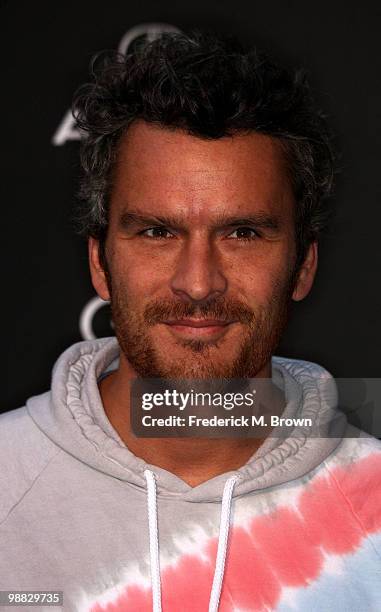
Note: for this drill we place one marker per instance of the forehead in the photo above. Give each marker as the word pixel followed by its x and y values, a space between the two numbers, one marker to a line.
pixel 170 171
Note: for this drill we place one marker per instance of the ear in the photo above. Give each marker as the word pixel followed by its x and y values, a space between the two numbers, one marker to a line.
pixel 98 276
pixel 306 274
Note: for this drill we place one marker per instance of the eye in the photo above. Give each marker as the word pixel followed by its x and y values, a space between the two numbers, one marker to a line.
pixel 244 233
pixel 156 232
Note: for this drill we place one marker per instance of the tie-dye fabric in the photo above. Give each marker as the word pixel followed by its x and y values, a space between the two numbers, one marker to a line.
pixel 305 530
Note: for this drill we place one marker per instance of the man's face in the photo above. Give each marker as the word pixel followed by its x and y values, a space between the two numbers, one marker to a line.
pixel 200 253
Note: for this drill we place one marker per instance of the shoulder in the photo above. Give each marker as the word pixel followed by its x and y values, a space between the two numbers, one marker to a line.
pixel 25 451
pixel 355 467
pixel 358 452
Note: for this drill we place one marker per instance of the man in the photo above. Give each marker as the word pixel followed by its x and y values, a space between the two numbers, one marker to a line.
pixel 206 175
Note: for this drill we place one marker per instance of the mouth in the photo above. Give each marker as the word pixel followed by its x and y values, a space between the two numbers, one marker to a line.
pixel 199 328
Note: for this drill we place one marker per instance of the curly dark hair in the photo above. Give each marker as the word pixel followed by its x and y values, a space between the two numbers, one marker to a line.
pixel 210 86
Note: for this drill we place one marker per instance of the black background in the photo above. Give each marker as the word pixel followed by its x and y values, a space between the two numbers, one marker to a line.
pixel 46 49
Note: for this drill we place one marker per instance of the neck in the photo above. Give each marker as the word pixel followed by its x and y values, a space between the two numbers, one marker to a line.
pixel 194 460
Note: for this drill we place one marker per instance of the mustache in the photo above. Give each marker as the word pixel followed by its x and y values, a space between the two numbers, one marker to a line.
pixel 219 308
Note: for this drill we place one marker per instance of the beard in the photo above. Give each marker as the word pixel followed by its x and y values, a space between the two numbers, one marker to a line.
pixel 262 329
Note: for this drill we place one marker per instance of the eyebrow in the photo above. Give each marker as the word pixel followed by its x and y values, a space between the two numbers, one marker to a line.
pixel 260 220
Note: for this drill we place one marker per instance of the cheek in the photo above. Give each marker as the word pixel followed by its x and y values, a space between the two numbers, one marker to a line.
pixel 139 276
pixel 257 279
pixel 255 288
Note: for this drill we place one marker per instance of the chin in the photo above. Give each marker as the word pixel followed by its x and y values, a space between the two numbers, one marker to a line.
pixel 194 365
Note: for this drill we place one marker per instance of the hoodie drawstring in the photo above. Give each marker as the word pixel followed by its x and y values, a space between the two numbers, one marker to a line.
pixel 153 540
pixel 221 548
pixel 222 543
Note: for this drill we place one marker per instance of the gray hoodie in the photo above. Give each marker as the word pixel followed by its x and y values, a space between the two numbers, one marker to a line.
pixel 298 527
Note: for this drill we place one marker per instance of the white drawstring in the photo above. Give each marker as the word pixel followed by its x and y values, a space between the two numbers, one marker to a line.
pixel 222 544
pixel 153 541
pixel 221 548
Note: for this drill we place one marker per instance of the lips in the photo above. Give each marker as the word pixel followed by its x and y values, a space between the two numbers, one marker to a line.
pixel 199 328
pixel 198 322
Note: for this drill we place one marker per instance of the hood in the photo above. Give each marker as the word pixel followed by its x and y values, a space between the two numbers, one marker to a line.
pixel 72 416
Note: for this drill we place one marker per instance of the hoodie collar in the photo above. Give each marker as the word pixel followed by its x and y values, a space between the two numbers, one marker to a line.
pixel 73 417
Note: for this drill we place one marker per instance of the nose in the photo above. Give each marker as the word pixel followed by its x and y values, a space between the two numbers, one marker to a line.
pixel 198 275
